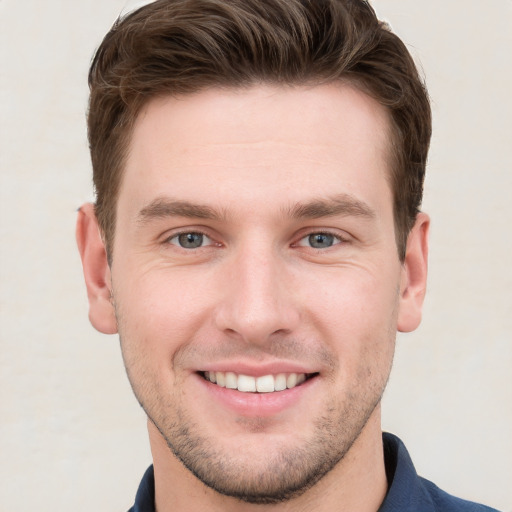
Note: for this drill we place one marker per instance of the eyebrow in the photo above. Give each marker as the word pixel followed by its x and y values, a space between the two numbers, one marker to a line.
pixel 162 207
pixel 343 205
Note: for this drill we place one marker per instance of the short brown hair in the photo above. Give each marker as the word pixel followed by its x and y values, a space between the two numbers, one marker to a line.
pixel 175 47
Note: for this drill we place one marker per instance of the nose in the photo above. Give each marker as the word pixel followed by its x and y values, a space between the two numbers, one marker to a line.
pixel 258 300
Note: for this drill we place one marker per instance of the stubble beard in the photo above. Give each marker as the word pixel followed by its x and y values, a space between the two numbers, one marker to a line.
pixel 286 473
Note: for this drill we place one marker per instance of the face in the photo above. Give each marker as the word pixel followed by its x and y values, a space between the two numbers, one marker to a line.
pixel 256 281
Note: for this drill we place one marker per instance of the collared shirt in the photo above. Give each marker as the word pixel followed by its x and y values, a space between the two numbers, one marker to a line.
pixel 407 491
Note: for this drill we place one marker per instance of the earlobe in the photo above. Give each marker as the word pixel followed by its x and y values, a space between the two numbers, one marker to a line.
pixel 96 270
pixel 414 275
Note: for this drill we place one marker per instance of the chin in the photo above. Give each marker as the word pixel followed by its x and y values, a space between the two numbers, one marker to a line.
pixel 262 467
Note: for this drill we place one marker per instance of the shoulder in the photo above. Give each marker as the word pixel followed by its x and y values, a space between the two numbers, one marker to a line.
pixel 145 498
pixel 412 493
pixel 444 502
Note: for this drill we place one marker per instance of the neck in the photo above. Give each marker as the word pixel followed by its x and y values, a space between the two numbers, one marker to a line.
pixel 357 484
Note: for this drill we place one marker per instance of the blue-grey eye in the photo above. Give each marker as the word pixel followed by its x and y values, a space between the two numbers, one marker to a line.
pixel 321 240
pixel 189 240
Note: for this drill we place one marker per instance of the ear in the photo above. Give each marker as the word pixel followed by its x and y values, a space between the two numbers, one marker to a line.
pixel 414 275
pixel 96 270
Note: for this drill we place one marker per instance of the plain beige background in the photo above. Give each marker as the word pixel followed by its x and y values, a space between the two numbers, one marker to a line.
pixel 72 437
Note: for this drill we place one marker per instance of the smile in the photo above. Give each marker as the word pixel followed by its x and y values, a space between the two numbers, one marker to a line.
pixel 263 384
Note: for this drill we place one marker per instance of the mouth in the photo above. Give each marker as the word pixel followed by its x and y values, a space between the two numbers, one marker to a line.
pixel 264 384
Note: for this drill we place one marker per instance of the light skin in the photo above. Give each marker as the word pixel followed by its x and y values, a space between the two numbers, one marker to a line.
pixel 255 235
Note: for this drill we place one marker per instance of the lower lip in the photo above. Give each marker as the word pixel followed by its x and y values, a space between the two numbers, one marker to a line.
pixel 257 404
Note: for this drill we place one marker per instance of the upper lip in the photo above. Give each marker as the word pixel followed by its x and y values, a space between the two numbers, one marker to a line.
pixel 257 370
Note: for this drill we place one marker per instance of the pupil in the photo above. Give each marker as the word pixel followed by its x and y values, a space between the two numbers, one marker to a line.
pixel 321 240
pixel 191 240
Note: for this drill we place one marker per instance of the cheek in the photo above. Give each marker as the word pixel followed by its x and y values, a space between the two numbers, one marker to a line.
pixel 357 317
pixel 163 302
pixel 161 312
pixel 156 317
pixel 355 302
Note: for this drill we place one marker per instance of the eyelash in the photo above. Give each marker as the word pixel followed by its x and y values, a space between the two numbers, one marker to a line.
pixel 337 239
pixel 176 236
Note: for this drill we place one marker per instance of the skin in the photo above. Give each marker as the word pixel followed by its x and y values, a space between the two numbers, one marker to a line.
pixel 256 172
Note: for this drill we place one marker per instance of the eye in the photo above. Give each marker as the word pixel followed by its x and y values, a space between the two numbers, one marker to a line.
pixel 319 240
pixel 190 240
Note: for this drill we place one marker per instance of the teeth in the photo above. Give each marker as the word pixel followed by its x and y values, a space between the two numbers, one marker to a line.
pixel 231 380
pixel 221 379
pixel 246 383
pixel 263 384
pixel 291 380
pixel 280 382
pixel 211 377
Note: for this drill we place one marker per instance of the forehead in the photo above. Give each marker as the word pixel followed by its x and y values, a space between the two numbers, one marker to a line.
pixel 273 140
pixel 247 114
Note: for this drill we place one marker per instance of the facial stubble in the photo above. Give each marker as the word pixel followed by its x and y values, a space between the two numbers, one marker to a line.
pixel 284 474
pixel 287 474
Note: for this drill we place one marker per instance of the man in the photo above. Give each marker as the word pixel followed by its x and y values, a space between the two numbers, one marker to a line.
pixel 257 243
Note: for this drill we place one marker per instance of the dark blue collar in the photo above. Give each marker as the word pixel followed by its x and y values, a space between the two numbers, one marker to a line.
pixel 409 492
pixel 145 498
